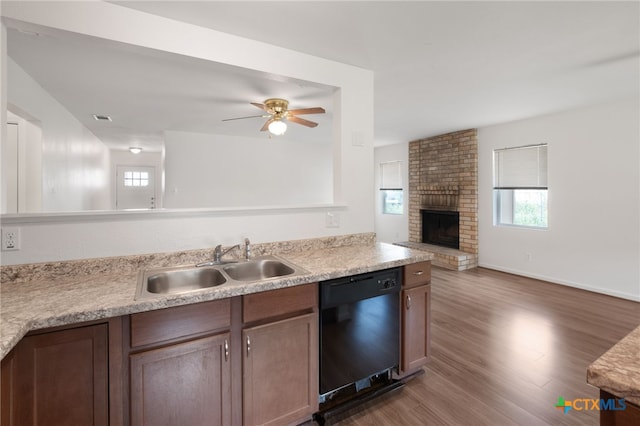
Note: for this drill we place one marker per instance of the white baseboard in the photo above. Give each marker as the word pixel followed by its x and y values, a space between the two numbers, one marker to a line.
pixel 622 295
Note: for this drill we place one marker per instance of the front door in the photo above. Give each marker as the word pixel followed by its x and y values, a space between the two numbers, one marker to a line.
pixel 135 188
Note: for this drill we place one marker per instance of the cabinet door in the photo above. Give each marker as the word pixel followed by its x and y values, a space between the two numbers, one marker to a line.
pixel 280 363
pixel 415 327
pixel 61 378
pixel 182 384
pixel 8 389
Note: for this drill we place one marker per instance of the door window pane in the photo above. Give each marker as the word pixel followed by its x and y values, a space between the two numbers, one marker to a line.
pixel 136 178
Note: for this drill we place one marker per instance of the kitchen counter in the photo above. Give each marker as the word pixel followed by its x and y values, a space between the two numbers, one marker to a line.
pixel 617 371
pixel 79 296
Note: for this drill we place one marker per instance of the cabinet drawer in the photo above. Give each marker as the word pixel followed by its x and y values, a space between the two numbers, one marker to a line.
pixel 274 303
pixel 417 274
pixel 180 321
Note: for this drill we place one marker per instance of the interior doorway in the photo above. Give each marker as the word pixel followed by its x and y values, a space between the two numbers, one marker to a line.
pixel 10 170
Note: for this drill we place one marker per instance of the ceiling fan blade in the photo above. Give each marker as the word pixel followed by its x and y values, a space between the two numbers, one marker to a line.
pixel 261 106
pixel 301 121
pixel 266 125
pixel 242 118
pixel 316 110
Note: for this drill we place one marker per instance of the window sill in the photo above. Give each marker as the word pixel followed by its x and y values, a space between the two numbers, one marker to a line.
pixel 509 225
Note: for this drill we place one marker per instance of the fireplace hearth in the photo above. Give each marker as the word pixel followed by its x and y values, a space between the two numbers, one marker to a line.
pixel 441 228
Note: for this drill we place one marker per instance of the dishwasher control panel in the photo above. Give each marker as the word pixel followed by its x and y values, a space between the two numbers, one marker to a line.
pixel 387 282
pixel 361 286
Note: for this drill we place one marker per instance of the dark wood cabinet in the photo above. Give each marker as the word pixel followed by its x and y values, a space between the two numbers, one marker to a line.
pixel 415 333
pixel 187 365
pixel 629 416
pixel 182 384
pixel 58 378
pixel 280 371
pixel 180 365
pixel 8 389
pixel 415 317
pixel 280 356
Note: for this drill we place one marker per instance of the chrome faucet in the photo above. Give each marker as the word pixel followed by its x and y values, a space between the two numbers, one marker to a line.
pixel 247 249
pixel 218 253
pixel 217 256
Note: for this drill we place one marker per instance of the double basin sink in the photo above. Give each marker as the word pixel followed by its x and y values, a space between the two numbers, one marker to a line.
pixel 185 279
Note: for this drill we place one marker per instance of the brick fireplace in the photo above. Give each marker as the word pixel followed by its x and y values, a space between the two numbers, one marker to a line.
pixel 443 176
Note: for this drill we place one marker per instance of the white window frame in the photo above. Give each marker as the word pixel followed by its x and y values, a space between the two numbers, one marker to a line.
pixel 391 185
pixel 522 168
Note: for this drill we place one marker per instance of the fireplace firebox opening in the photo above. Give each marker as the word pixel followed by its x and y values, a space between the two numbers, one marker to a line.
pixel 441 228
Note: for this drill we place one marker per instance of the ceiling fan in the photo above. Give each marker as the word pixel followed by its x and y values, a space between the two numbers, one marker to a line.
pixel 278 111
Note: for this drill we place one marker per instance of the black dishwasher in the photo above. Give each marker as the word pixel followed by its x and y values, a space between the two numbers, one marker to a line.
pixel 359 329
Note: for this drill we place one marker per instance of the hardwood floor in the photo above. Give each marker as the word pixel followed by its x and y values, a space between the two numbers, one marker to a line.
pixel 504 348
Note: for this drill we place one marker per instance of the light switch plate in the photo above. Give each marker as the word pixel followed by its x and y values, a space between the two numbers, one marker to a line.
pixel 333 220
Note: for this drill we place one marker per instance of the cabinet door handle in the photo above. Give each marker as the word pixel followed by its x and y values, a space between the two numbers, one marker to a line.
pixel 248 346
pixel 226 350
pixel 408 302
pixel 418 273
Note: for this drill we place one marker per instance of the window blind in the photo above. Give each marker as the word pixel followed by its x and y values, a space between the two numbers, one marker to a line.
pixel 390 175
pixel 520 168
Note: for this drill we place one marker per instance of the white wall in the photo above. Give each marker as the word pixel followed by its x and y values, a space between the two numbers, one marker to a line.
pixel 117 234
pixel 593 238
pixel 3 104
pixel 75 164
pixel 264 172
pixel 392 228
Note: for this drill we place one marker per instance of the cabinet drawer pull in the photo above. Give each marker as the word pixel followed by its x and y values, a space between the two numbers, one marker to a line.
pixel 408 302
pixel 226 350
pixel 418 273
pixel 248 346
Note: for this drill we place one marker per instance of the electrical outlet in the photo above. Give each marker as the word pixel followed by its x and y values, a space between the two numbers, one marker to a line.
pixel 10 239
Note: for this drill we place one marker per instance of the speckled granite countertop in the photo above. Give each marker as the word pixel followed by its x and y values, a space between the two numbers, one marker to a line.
pixel 71 298
pixel 618 370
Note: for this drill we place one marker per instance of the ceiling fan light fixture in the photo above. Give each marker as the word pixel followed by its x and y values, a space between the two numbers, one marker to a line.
pixel 278 110
pixel 278 127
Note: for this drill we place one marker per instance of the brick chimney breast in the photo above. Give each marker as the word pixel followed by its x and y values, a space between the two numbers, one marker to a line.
pixel 443 175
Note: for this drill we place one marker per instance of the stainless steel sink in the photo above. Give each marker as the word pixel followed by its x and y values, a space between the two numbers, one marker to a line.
pixel 184 279
pixel 258 269
pixel 178 280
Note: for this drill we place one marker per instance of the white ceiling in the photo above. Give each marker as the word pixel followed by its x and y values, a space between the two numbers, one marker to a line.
pixel 439 66
pixel 448 65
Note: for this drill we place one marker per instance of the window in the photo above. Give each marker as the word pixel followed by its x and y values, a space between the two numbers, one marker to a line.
pixel 520 186
pixel 391 188
pixel 136 179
